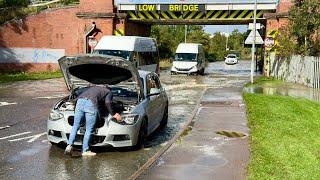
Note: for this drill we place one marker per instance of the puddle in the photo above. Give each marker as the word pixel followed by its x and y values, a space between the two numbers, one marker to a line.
pixel 211 161
pixel 231 134
pixel 285 89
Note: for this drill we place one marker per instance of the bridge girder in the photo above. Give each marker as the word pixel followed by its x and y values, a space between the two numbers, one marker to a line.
pixel 195 17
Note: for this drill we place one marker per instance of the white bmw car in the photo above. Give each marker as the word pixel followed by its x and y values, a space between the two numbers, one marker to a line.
pixel 137 95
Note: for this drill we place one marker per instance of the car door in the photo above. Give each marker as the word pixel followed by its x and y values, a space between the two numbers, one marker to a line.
pixel 153 109
pixel 162 99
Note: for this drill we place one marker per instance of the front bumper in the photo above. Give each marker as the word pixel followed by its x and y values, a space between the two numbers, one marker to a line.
pixel 231 62
pixel 110 134
pixel 184 71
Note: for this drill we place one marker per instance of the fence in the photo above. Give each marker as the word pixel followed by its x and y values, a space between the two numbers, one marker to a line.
pixel 297 69
pixel 315 73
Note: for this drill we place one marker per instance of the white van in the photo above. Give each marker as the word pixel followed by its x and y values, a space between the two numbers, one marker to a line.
pixel 142 51
pixel 189 59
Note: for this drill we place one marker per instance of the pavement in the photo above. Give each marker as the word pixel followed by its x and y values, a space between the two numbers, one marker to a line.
pixel 216 145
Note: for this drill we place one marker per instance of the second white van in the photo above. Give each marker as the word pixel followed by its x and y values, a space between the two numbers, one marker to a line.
pixel 189 59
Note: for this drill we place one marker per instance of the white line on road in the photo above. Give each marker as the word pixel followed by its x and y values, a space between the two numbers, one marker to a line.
pixel 33 138
pixel 6 103
pixel 36 137
pixel 4 127
pixel 50 97
pixel 20 134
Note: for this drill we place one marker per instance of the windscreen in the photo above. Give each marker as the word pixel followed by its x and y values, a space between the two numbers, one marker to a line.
pixel 186 57
pixel 124 54
pixel 231 56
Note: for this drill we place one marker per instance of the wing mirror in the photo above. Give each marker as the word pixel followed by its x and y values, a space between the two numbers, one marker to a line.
pixel 154 91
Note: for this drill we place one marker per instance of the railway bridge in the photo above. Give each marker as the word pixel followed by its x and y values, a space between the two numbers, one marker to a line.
pixel 27 44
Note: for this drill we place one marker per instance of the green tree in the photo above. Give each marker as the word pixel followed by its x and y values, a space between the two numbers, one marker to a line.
pixel 304 22
pixel 13 3
pixel 170 36
pixel 164 40
pixel 218 46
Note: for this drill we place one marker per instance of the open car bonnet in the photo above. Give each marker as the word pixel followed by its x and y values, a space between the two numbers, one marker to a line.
pixel 83 70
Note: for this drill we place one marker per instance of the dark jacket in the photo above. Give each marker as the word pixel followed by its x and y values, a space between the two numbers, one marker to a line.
pixel 100 97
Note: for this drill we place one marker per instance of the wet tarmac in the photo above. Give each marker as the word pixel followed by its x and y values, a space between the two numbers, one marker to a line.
pixel 25 109
pixel 215 144
pixel 26 154
pixel 285 89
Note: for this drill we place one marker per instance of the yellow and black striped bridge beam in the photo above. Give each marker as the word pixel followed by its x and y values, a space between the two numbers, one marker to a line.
pixel 195 17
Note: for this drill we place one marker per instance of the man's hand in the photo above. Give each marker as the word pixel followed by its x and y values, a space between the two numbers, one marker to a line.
pixel 118 117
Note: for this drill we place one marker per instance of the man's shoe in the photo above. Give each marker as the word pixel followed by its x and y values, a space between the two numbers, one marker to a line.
pixel 88 153
pixel 68 150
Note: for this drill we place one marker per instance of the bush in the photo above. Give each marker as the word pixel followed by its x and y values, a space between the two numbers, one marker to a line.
pixel 14 3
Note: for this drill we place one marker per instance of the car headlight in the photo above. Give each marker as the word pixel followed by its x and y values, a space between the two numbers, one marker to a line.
pixel 53 116
pixel 194 67
pixel 129 119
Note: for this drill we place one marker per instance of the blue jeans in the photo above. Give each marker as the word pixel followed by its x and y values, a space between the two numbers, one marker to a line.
pixel 84 110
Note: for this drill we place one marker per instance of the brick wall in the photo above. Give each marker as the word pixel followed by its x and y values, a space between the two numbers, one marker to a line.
pixel 279 18
pixel 137 29
pixel 56 29
pixel 104 6
pixel 284 6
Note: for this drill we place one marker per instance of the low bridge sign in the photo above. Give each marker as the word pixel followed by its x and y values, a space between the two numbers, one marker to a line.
pixel 196 12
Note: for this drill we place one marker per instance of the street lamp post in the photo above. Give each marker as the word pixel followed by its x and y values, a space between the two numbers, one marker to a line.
pixel 254 39
pixel 185 33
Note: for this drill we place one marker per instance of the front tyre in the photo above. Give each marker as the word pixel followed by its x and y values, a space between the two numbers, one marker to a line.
pixel 164 120
pixel 142 137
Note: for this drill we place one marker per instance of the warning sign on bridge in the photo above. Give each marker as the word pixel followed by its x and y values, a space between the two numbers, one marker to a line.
pixel 146 7
pixel 171 7
pixel 182 7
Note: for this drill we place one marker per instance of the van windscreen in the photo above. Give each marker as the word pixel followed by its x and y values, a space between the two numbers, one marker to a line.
pixel 186 57
pixel 124 54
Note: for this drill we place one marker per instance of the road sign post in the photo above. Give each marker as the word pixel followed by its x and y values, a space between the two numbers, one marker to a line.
pixel 254 39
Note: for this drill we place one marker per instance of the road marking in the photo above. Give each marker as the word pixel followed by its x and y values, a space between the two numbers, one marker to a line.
pixel 20 134
pixel 36 137
pixel 5 127
pixel 7 104
pixel 50 97
pixel 33 138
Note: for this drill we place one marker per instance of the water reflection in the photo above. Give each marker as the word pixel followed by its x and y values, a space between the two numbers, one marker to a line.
pixel 285 89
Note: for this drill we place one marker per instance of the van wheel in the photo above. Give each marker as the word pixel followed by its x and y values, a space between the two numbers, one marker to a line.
pixel 142 137
pixel 164 120
pixel 201 72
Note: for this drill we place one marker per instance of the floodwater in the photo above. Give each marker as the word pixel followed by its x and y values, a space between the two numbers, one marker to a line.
pixel 285 89
pixel 41 160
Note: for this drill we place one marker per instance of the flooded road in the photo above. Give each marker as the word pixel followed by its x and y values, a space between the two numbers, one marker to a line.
pixel 26 154
pixel 285 89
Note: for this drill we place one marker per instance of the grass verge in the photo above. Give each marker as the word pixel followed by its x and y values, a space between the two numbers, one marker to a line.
pixel 284 137
pixel 23 76
pixel 263 79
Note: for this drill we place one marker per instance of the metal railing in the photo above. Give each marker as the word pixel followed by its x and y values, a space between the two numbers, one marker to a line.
pixel 315 72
